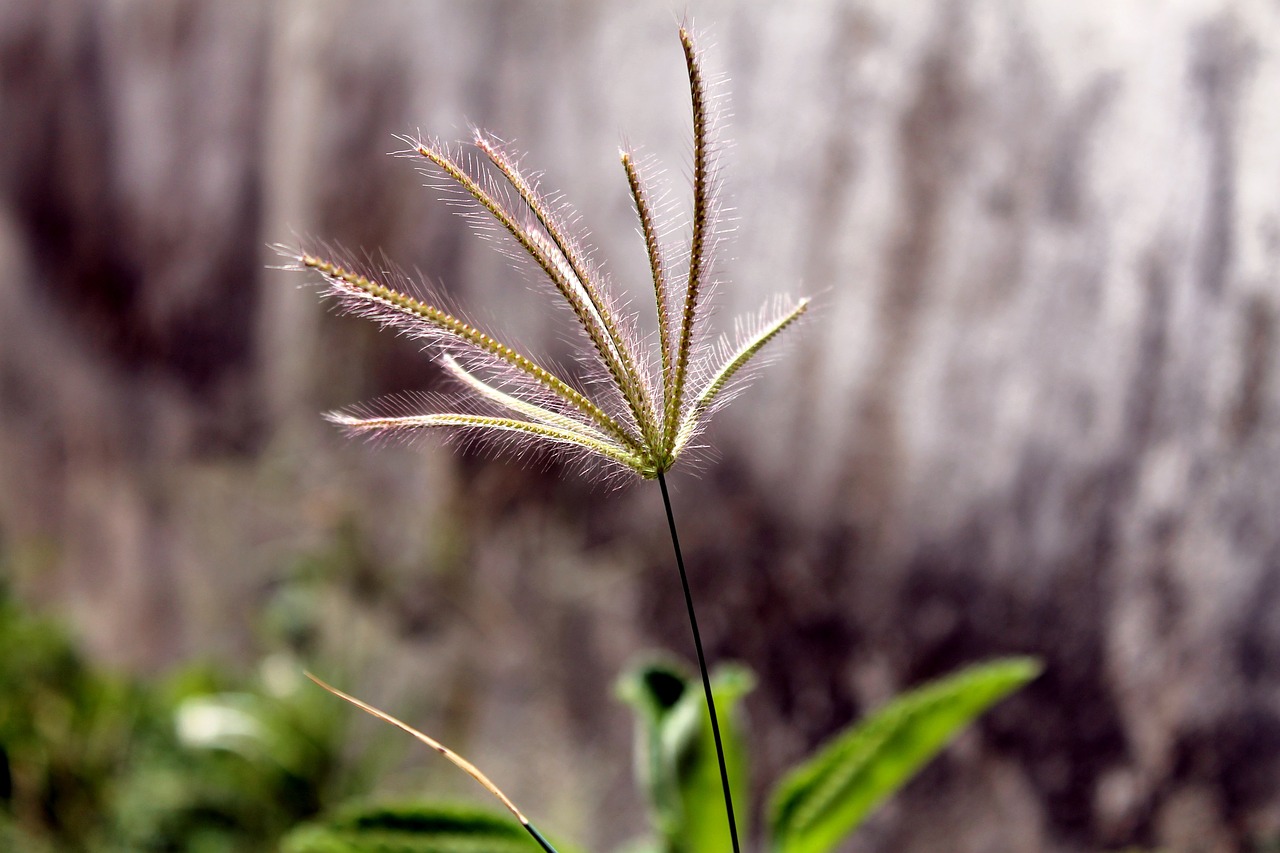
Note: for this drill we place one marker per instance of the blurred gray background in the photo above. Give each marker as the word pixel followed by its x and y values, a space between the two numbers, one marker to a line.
pixel 1034 410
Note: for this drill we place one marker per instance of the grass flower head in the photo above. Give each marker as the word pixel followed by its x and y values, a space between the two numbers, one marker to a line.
pixel 634 408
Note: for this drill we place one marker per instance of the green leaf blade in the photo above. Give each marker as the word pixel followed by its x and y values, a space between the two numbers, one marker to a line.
pixel 706 826
pixel 411 828
pixel 676 753
pixel 827 797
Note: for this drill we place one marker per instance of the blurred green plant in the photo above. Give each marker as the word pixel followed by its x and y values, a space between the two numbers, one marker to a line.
pixel 197 761
pixel 675 755
pixel 827 797
pixel 410 828
pixel 815 807
pixel 66 734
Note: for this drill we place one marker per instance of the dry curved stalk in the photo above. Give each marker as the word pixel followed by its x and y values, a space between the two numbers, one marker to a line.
pixel 469 768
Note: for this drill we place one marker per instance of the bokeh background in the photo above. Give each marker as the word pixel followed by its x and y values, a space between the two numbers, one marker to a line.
pixel 1035 408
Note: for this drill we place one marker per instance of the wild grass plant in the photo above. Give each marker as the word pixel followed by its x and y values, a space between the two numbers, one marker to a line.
pixel 634 409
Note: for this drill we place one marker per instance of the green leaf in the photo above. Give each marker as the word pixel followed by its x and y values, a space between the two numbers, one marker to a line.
pixel 676 757
pixel 824 799
pixel 412 828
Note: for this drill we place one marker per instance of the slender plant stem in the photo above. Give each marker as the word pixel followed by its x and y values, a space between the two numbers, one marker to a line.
pixel 702 665
pixel 538 837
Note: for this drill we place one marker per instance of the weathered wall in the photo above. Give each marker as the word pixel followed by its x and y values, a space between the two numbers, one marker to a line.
pixel 1035 408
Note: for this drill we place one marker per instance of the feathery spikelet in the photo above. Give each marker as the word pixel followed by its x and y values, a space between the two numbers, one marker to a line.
pixel 644 409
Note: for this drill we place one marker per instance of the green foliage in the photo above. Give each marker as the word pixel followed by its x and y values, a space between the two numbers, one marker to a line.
pixel 207 763
pixel 823 800
pixel 233 770
pixel 66 732
pixel 198 761
pixel 412 828
pixel 675 753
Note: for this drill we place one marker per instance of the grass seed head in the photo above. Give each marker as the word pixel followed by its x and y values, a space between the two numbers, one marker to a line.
pixel 638 411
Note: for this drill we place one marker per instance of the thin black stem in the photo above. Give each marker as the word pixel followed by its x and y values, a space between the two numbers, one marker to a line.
pixel 702 665
pixel 538 837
